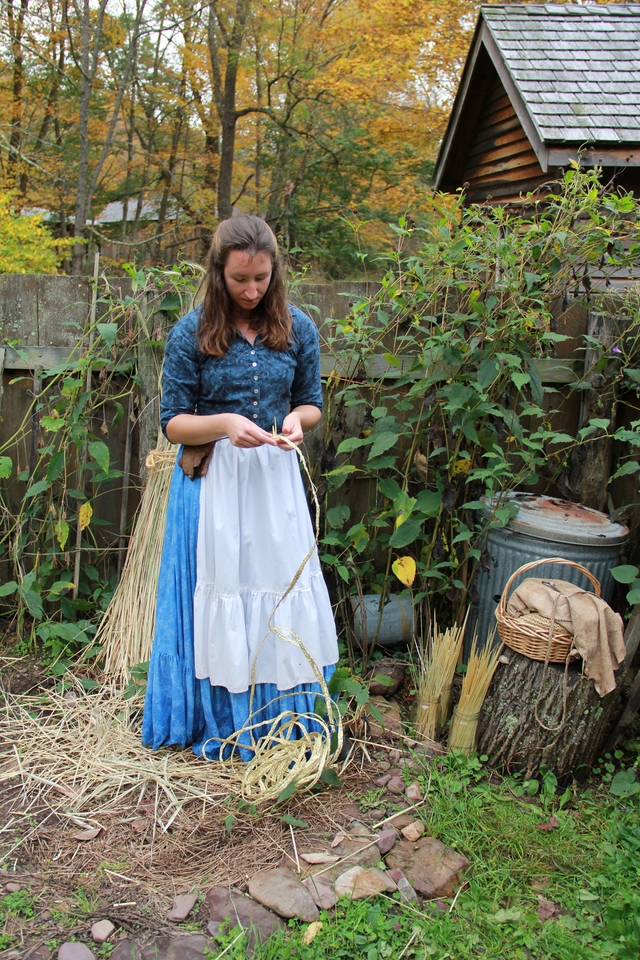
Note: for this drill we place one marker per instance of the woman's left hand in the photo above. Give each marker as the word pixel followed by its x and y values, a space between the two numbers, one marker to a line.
pixel 292 430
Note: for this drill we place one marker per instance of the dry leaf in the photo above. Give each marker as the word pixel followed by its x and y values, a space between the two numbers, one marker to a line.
pixel 337 840
pixel 547 909
pixel 90 834
pixel 311 932
pixel 319 857
pixel 84 515
pixel 140 824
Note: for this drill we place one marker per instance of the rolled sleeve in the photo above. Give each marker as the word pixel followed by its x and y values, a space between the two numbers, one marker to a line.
pixel 307 386
pixel 180 371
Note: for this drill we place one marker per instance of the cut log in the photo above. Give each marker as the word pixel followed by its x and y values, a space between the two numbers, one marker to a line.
pixel 513 738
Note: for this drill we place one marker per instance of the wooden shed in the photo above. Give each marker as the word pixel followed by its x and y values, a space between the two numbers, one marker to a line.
pixel 542 83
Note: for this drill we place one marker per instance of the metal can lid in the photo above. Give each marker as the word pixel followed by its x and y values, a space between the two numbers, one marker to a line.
pixel 548 518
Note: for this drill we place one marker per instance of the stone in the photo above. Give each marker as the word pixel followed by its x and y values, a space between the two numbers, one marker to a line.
pixel 351 811
pixel 389 882
pixel 322 891
pixel 358 882
pixel 402 820
pixel 239 910
pixel 123 950
pixel 383 765
pixel 433 869
pixel 280 890
pixel 413 831
pixel 42 953
pixel 395 772
pixel 395 875
pixel 12 887
pixel 358 829
pixel 378 782
pixel 413 792
pixel 75 951
pixel 406 891
pixel 352 852
pixel 395 786
pixel 378 815
pixel 392 722
pixel 394 756
pixel 395 672
pixel 213 928
pixel 386 840
pixel 193 946
pixel 182 906
pixel 101 931
pixel 429 749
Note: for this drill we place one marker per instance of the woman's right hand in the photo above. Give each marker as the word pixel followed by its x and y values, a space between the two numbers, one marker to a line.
pixel 243 433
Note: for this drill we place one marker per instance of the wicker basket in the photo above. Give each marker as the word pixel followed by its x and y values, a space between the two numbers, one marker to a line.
pixel 529 635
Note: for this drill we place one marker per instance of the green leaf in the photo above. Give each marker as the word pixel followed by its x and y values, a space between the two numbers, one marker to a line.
pixel 382 442
pixel 389 488
pixel 631 466
pixel 228 823
pixel 100 453
pixel 287 818
pixel 429 502
pixel 536 386
pixel 56 466
pixel 6 466
pixel 8 588
pixel 406 533
pixel 287 793
pixel 331 777
pixel 383 679
pixel 587 895
pixel 108 332
pixel 36 488
pixel 626 573
pixel 487 372
pixel 392 360
pixel 352 443
pixel 338 516
pixel 633 596
pixel 624 784
pixel 520 379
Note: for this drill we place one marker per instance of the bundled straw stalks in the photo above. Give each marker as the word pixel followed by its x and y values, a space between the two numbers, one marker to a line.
pixel 127 628
pixel 480 670
pixel 437 668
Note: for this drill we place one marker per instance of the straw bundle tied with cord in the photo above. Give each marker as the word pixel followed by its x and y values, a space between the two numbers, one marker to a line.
pixel 279 760
pixel 437 668
pixel 480 670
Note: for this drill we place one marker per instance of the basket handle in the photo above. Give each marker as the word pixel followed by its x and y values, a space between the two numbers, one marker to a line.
pixel 502 605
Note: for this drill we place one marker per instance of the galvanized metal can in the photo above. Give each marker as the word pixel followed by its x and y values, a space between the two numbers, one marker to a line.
pixel 545 527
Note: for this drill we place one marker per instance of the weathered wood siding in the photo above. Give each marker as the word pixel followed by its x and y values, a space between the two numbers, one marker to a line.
pixel 500 162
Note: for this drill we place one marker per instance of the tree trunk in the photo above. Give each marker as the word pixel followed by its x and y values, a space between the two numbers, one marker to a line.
pixel 149 370
pixel 511 736
pixel 16 27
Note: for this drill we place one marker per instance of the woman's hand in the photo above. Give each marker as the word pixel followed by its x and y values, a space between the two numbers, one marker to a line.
pixel 292 430
pixel 194 429
pixel 243 433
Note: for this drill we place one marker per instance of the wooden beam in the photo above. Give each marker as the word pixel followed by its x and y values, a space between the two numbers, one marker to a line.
pixel 600 156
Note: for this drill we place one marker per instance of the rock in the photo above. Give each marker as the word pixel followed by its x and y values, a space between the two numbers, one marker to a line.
pixel 383 765
pixel 395 672
pixel 389 883
pixel 386 840
pixel 123 950
pixel 213 928
pixel 413 792
pixel 239 910
pixel 358 829
pixel 394 756
pixel 101 931
pixel 378 815
pixel 406 891
pixel 75 951
pixel 396 787
pixel 42 953
pixel 351 811
pixel 359 882
pixel 182 906
pixel 392 722
pixel 432 869
pixel 395 875
pixel 402 820
pixel 46 915
pixel 281 891
pixel 12 887
pixel 378 782
pixel 413 831
pixel 429 749
pixel 194 946
pixel 353 852
pixel 395 772
pixel 322 891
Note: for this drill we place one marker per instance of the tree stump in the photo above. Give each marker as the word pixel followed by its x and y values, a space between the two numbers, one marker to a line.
pixel 511 736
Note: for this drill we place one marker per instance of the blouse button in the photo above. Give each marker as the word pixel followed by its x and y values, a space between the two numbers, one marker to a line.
pixel 256 391
pixel 252 352
pixel 255 416
pixel 254 364
pixel 255 403
pixel 255 378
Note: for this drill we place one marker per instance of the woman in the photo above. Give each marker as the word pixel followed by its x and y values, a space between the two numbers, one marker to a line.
pixel 242 363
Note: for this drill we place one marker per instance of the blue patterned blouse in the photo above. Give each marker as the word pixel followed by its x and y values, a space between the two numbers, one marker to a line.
pixel 250 379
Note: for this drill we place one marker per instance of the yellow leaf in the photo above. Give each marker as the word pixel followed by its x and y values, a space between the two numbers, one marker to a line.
pixel 311 932
pixel 84 515
pixel 400 519
pixel 405 570
pixel 461 466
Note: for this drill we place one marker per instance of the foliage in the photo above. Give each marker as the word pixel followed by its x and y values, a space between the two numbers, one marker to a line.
pixel 26 245
pixel 60 550
pixel 440 371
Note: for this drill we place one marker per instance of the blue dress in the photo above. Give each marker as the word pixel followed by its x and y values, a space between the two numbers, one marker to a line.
pixel 261 384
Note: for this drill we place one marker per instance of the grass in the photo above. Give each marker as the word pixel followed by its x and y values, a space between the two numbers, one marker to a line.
pixel 584 865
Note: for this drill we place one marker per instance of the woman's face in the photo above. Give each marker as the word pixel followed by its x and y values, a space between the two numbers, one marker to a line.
pixel 247 278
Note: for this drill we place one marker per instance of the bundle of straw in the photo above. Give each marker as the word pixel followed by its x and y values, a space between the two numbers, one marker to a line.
pixel 480 670
pixel 436 678
pixel 127 628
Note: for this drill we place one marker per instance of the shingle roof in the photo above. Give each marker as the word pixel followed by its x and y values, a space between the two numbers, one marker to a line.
pixel 577 68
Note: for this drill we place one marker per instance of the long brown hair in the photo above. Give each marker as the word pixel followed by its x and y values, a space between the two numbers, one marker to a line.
pixel 216 329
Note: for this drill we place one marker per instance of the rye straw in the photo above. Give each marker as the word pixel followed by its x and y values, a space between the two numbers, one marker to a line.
pixel 437 668
pixel 480 670
pixel 127 628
